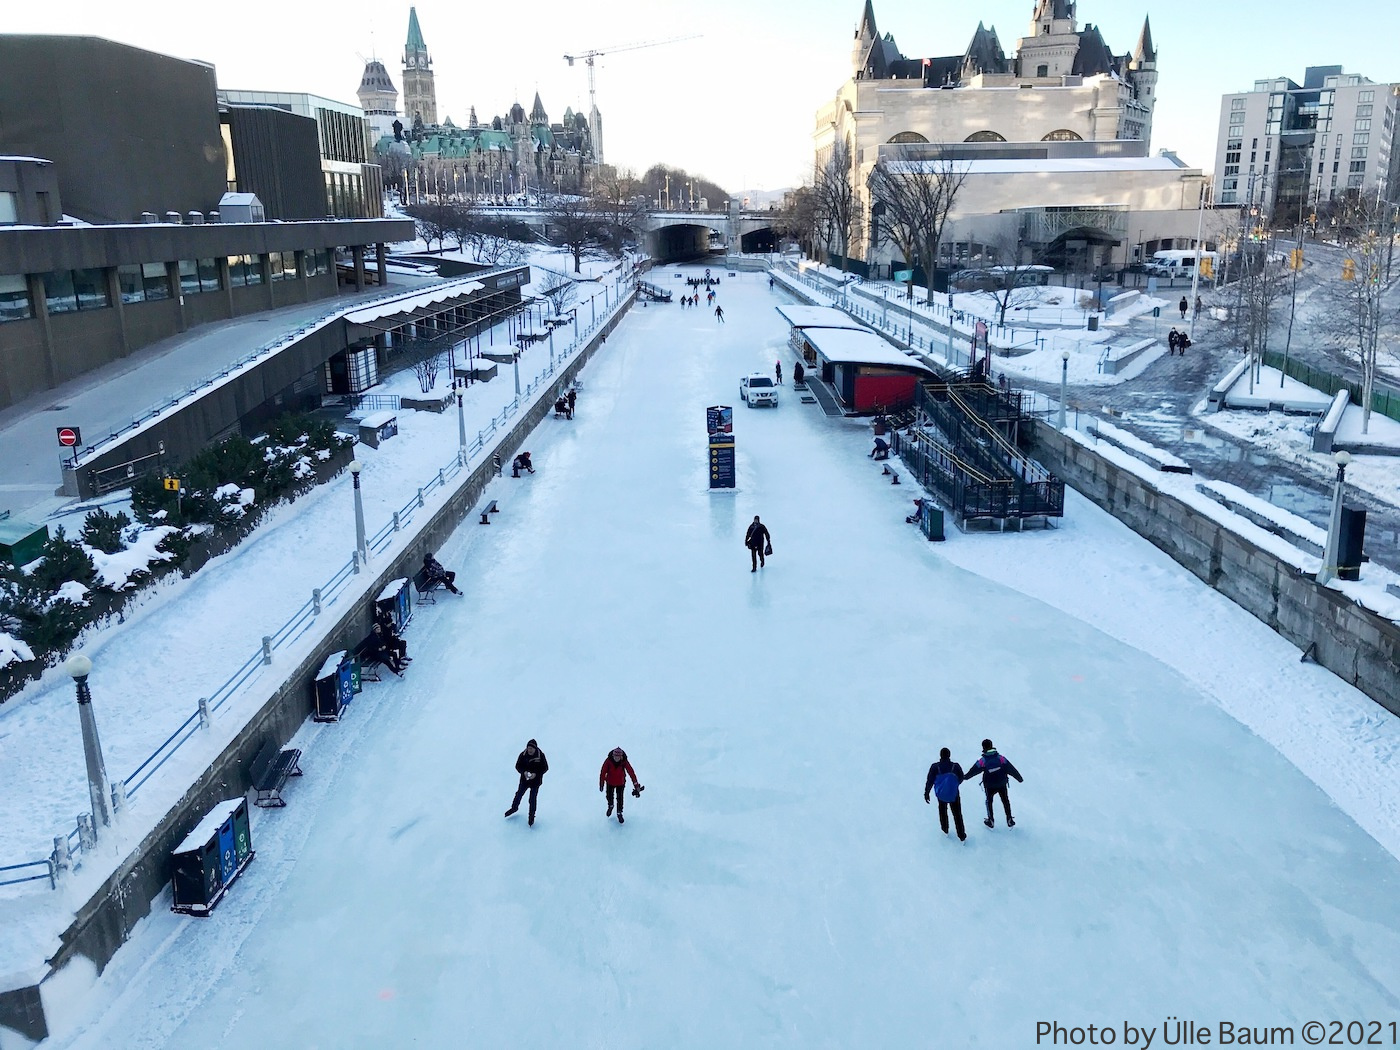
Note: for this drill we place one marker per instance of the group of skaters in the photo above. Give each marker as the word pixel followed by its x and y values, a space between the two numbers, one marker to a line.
pixel 612 779
pixel 694 300
pixel 945 777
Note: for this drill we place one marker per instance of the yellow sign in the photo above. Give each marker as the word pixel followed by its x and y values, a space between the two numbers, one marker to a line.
pixel 1295 258
pixel 1207 266
pixel 172 484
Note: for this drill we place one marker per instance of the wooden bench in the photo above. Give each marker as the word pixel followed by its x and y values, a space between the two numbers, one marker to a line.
pixel 270 771
pixel 369 663
pixel 487 511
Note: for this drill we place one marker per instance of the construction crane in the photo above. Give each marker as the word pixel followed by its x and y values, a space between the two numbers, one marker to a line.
pixel 595 123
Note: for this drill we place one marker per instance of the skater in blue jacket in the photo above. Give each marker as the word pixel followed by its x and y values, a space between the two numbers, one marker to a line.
pixel 994 769
pixel 944 776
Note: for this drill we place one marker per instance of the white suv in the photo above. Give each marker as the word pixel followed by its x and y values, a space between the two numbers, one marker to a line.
pixel 758 389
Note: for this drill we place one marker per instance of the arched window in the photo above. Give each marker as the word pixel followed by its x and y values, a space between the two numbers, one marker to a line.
pixel 907 136
pixel 1063 135
pixel 984 136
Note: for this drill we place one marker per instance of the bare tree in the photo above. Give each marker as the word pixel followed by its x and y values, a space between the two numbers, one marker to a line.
pixel 559 289
pixel 573 224
pixel 433 222
pixel 1356 311
pixel 837 204
pixel 427 369
pixel 912 200
pixel 1010 284
pixel 620 203
pixel 798 219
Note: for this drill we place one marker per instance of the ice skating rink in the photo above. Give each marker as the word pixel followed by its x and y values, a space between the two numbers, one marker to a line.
pixel 781 883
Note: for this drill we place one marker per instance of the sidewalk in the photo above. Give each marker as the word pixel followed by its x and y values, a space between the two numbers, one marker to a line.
pixel 106 399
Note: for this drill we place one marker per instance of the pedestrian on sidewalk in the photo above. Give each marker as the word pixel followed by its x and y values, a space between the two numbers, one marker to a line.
pixel 1199 305
pixel 1184 307
pixel 759 543
pixel 943 779
pixel 994 769
pixel 613 778
pixel 1172 338
pixel 532 766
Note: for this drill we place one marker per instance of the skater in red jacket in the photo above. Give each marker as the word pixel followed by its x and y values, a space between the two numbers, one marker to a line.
pixel 613 777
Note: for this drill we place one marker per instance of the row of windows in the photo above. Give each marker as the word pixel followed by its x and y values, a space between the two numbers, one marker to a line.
pixel 68 291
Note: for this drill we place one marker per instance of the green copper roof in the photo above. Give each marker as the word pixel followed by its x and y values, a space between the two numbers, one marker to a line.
pixel 415 35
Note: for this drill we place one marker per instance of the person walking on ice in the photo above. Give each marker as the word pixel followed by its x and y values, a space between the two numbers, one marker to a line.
pixel 613 778
pixel 759 543
pixel 944 776
pixel 994 769
pixel 532 766
pixel 778 372
pixel 719 314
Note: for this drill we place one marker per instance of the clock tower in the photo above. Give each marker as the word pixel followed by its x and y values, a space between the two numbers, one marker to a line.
pixel 419 94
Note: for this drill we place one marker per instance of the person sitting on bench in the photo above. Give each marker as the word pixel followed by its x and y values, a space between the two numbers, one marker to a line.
pixel 521 462
pixel 434 572
pixel 380 650
pixel 913 519
pixel 881 449
pixel 393 641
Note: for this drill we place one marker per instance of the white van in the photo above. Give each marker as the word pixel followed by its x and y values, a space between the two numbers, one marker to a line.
pixel 1178 262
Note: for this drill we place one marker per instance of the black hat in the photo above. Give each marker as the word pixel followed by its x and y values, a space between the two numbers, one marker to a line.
pixel 531 743
pixel 945 753
pixel 987 745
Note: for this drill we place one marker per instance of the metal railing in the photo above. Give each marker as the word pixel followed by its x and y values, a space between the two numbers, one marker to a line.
pixel 68 848
pixel 1384 399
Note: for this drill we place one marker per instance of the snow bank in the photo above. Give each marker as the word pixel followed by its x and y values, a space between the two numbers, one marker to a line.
pixel 120 571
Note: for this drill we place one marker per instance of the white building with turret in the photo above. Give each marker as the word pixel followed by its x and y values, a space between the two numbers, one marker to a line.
pixel 1056 134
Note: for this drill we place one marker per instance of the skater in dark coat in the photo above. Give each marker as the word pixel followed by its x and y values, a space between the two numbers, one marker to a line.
pixel 759 543
pixel 994 769
pixel 778 372
pixel 572 398
pixel 798 376
pixel 532 766
pixel 943 779
pixel 613 778
pixel 719 314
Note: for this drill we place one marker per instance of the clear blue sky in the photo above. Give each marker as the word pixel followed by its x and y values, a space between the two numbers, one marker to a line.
pixel 738 104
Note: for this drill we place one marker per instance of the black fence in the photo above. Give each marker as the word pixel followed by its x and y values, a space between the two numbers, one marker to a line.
pixel 974 463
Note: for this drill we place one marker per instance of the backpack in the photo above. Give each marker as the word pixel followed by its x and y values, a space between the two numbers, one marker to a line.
pixel 945 786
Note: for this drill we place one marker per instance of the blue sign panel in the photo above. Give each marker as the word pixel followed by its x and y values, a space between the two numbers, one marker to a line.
pixel 719 419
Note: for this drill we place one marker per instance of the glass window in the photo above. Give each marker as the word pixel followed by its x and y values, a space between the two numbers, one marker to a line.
pixel 276 259
pixel 91 289
pixel 237 278
pixel 252 264
pixel 209 275
pixel 129 281
pixel 1365 96
pixel 189 277
pixel 59 296
pixel 9 210
pixel 289 265
pixel 1358 165
pixel 14 297
pixel 1363 111
pixel 155 281
pixel 1362 125
pixel 1358 152
pixel 1237 103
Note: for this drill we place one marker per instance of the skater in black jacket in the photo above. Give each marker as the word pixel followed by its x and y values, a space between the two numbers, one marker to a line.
pixel 994 769
pixel 944 776
pixel 759 543
pixel 532 766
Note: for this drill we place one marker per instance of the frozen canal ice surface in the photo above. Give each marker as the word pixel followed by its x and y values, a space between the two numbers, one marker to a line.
pixel 781 883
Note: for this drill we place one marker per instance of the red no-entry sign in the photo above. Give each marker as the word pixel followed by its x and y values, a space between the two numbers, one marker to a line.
pixel 69 437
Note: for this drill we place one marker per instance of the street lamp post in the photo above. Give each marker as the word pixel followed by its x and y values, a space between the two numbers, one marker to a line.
pixel 361 550
pixel 1334 529
pixel 515 359
pixel 461 424
pixel 1064 382
pixel 79 667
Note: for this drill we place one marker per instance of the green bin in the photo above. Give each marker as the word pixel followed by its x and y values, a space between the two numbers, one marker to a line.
pixel 931 520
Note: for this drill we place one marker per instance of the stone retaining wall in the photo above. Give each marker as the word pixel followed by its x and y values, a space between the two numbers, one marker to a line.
pixel 1349 640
